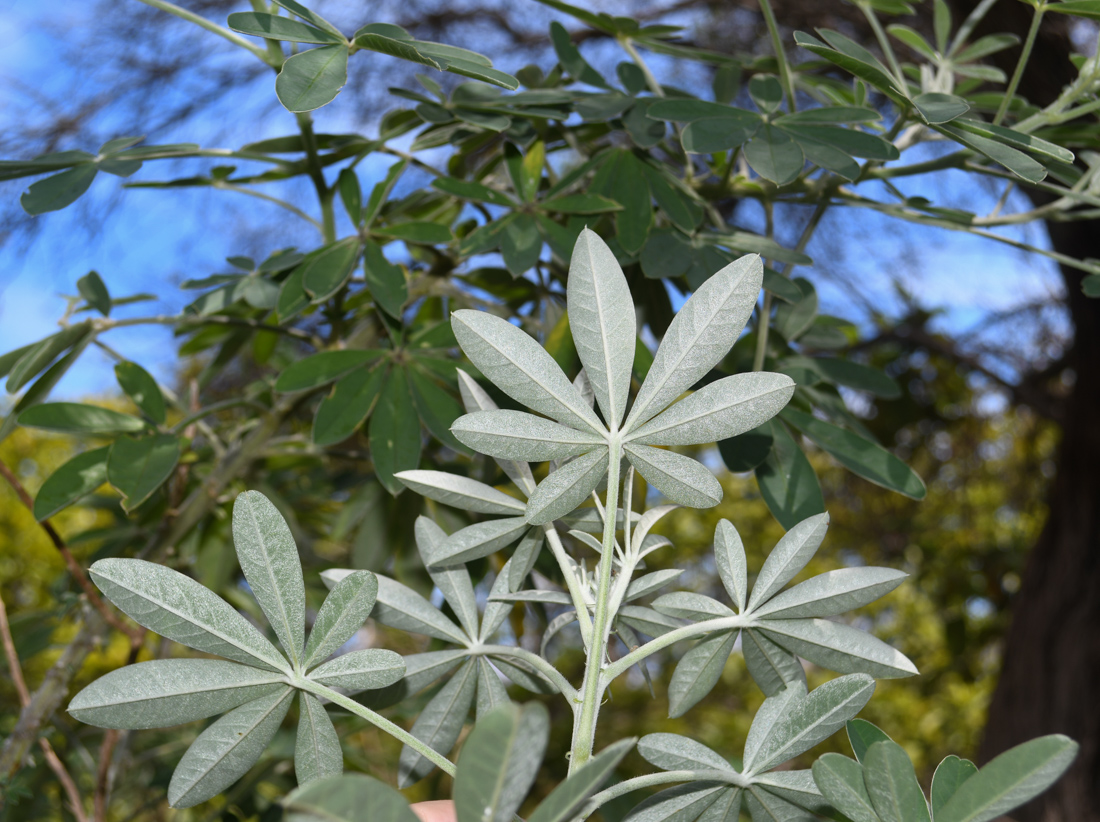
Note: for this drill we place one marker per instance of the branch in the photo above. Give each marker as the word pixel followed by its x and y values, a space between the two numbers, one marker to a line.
pixel 136 634
pixel 52 759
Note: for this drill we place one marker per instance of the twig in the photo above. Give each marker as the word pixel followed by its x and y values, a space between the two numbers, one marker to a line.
pixel 106 752
pixel 15 671
pixel 136 634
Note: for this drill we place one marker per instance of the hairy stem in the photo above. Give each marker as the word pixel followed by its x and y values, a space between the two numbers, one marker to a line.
pixel 624 663
pixel 378 721
pixel 584 619
pixel 1021 64
pixel 649 780
pixel 584 728
pixel 534 660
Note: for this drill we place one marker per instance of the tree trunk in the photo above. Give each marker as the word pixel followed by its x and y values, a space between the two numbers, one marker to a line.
pixel 1050 679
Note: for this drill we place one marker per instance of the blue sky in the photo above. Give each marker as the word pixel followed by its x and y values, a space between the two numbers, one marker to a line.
pixel 151 240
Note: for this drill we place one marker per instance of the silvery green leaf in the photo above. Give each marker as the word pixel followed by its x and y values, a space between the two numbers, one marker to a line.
pixel 225 751
pixel 789 556
pixel 681 479
pixel 831 593
pixel 729 556
pixel 672 752
pixel 269 560
pixel 401 607
pixel 767 716
pixel 567 799
pixel 524 675
pixel 566 488
pixel 684 803
pixel 601 317
pixel 949 775
pixel 496 611
pixel 342 799
pixel 892 784
pixel 811 719
pixel 840 781
pixel 651 543
pixel 478 540
pixel 178 608
pixel 521 368
pixel 771 667
pixel 454 581
pixel 534 595
pixel 421 670
pixel 490 690
pixel 584 387
pixel 317 751
pixel 439 724
pixel 499 762
pixel 700 335
pixel 689 605
pixel 590 521
pixel 796 787
pixel 342 613
pixel 589 540
pixel 474 399
pixel 648 621
pixel 1010 780
pixel 524 557
pixel 461 492
pixel 649 583
pixel 361 670
pixel 552 629
pixel 764 806
pixel 166 692
pixel 727 808
pixel 722 409
pixel 516 435
pixel 646 523
pixel 838 647
pixel 698 672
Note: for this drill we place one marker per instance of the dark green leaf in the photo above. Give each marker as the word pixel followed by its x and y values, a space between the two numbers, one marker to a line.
pixel 319 369
pixel 1016 139
pixel 862 735
pixel 437 409
pixel 421 233
pixel 140 386
pixel 310 17
pixel 630 188
pixel 385 280
pixel 471 190
pixel 848 140
pixel 840 781
pixel 477 71
pixel 774 155
pixel 580 204
pixel 854 59
pixel 521 244
pixel 273 27
pixel 326 270
pixel 138 467
pixel 940 108
pixel 36 357
pixel 394 432
pixel 351 194
pixel 672 200
pixel 765 91
pixel 312 78
pixel 292 296
pixel 856 375
pixel 1015 161
pixel 892 784
pixel 787 480
pixel 58 191
pixel 381 191
pixel 715 134
pixel 72 417
pixel 746 451
pixel 571 60
pixel 859 455
pixel 94 292
pixel 342 412
pixel 72 481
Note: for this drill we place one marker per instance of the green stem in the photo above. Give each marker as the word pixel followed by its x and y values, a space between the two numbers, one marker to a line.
pixel 972 19
pixel 584 729
pixel 1021 64
pixel 884 44
pixel 649 780
pixel 650 79
pixel 534 660
pixel 324 193
pixel 584 619
pixel 378 721
pixel 766 309
pixel 202 22
pixel 785 76
pixel 293 209
pixel 624 663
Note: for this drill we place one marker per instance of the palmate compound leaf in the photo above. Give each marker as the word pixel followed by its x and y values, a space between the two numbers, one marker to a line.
pixel 317 751
pixel 361 670
pixel 179 608
pixel 515 435
pixel 499 762
pixel 729 556
pixel 1011 779
pixel 478 540
pixel 166 692
pixel 672 752
pixel 399 606
pixel 789 556
pixel 461 492
pixel 343 798
pixel 832 593
pixel 772 668
pixel 700 335
pixel 698 671
pixel 681 479
pixel 225 751
pixel 454 581
pixel 838 647
pixel 474 398
pixel 602 319
pixel 568 487
pixel 269 560
pixel 684 802
pixel 439 724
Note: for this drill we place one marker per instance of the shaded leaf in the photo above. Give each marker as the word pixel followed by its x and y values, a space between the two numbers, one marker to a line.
pixel 342 412
pixel 138 467
pixel 72 417
pixel 312 78
pixel 394 432
pixel 439 724
pixel 317 751
pixel 71 482
pixel 681 479
pixel 787 481
pixel 698 671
